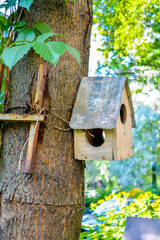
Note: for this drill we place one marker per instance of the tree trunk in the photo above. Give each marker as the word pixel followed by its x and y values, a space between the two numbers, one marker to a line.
pixel 48 204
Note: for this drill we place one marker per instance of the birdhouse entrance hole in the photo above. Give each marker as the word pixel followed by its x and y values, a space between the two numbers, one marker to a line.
pixel 123 113
pixel 96 137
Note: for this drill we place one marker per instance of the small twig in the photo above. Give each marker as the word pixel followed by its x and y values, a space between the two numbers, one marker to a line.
pixel 10 34
pixel 88 133
pixel 57 116
pixel 62 129
pixel 26 13
pixel 18 18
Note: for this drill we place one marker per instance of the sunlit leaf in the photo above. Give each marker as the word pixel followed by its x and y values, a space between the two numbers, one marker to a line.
pixel 51 51
pixel 12 55
pixel 43 27
pixel 47 51
pixel 44 36
pixel 20 24
pixel 25 3
pixel 26 34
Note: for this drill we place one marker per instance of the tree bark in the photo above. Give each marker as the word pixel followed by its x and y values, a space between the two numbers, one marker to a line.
pixel 48 204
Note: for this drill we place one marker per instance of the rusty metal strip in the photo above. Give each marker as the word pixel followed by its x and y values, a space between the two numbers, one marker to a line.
pixel 34 128
pixel 21 118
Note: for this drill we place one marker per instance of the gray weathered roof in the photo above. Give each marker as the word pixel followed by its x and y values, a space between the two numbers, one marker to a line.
pixel 98 103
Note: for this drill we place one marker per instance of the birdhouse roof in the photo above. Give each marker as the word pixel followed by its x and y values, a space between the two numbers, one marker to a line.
pixel 98 103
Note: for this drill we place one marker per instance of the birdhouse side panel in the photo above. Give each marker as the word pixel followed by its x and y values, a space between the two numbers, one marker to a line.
pixel 122 139
pixel 83 150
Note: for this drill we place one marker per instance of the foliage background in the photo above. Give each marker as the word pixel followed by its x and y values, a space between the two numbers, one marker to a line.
pixel 127 34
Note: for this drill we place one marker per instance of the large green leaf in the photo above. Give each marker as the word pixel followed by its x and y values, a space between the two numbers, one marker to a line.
pixel 44 36
pixel 12 55
pixel 27 34
pixel 46 51
pixel 43 27
pixel 26 3
pixel 51 51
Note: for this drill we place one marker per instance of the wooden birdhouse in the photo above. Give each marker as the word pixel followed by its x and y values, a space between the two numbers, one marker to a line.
pixel 102 119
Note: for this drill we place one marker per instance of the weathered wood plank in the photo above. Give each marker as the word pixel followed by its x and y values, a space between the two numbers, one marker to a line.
pixel 85 151
pixel 123 133
pixel 34 128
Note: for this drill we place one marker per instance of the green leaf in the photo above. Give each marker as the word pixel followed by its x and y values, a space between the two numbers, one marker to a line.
pixel 8 4
pixel 11 3
pixel 43 27
pixel 5 27
pixel 3 6
pixel 46 52
pixel 27 34
pixel 44 36
pixel 51 51
pixel 18 43
pixel 74 52
pixel 20 24
pixel 12 55
pixel 26 3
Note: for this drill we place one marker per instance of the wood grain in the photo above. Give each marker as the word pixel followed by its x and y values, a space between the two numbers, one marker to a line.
pixel 34 128
pixel 85 151
pixel 123 133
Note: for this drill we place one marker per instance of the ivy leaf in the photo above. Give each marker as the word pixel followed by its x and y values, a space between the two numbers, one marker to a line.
pixel 74 52
pixel 8 4
pixel 11 3
pixel 46 51
pixel 12 55
pixel 43 27
pixel 26 3
pixel 3 6
pixel 27 34
pixel 20 24
pixel 51 51
pixel 44 36
pixel 5 27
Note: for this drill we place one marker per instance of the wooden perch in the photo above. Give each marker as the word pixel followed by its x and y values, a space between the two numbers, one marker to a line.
pixel 34 128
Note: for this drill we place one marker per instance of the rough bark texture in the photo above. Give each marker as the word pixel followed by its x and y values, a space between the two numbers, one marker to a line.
pixel 48 204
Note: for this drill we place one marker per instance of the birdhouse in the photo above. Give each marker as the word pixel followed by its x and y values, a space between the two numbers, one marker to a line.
pixel 102 119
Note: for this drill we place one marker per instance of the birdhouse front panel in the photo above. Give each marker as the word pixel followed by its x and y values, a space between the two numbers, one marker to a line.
pixel 86 144
pixel 102 119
